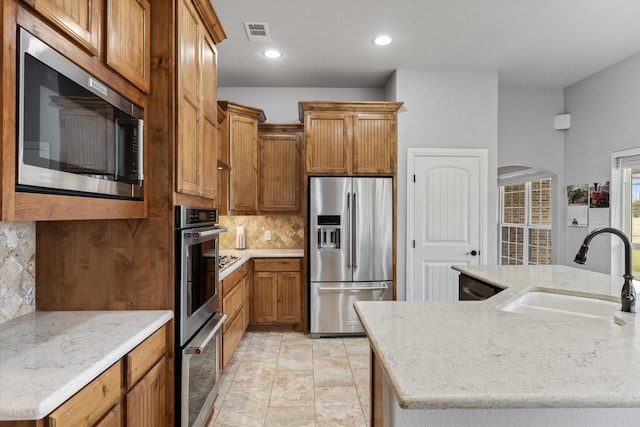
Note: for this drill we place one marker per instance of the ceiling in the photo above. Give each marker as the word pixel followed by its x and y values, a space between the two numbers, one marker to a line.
pixel 328 43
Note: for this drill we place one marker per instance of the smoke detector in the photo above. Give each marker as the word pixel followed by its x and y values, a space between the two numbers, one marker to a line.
pixel 257 31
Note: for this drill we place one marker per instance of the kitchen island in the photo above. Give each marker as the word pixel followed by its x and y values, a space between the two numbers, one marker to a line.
pixel 470 363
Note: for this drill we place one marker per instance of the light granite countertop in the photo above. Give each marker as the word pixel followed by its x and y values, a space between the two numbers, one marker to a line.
pixel 48 356
pixel 247 254
pixel 469 354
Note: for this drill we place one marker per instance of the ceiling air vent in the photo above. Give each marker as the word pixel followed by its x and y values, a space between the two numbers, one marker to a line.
pixel 257 31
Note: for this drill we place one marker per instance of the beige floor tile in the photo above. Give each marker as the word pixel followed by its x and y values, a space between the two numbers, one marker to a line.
pixel 340 416
pixel 356 346
pixel 300 416
pixel 292 388
pixel 288 379
pixel 268 346
pixel 295 339
pixel 336 396
pixel 332 371
pixel 255 372
pixel 296 358
pixel 326 347
pixel 359 361
pixel 243 407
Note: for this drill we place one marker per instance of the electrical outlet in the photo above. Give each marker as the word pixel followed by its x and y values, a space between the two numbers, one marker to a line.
pixel 267 235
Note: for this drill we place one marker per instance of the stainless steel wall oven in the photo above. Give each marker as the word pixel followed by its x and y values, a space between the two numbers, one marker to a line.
pixel 198 323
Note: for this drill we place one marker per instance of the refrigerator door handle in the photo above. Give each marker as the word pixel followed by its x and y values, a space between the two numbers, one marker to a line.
pixel 382 287
pixel 353 233
pixel 349 239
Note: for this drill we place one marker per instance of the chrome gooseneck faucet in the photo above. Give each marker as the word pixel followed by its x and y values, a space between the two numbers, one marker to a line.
pixel 628 295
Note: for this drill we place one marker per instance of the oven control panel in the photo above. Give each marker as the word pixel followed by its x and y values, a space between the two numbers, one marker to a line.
pixel 187 216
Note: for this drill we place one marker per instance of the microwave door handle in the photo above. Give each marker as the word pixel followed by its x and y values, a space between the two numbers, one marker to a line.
pixel 116 150
pixel 140 150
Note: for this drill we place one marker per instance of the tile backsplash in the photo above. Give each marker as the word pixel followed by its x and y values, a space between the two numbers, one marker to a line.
pixel 17 269
pixel 287 231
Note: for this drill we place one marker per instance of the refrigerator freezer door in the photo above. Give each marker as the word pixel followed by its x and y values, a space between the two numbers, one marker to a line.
pixel 372 211
pixel 332 311
pixel 329 229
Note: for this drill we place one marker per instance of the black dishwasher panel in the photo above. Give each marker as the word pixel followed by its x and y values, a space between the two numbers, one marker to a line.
pixel 471 289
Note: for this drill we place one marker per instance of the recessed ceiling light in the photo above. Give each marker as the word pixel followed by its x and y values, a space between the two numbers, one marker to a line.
pixel 272 53
pixel 382 40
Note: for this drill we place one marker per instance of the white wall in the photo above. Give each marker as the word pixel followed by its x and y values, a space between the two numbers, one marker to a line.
pixel 280 104
pixel 526 137
pixel 445 109
pixel 605 117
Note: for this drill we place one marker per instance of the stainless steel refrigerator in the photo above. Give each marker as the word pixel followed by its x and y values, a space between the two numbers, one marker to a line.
pixel 351 250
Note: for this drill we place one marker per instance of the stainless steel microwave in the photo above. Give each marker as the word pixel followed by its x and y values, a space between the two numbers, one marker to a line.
pixel 76 135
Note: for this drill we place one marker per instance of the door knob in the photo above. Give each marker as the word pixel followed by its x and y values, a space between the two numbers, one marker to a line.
pixel 473 253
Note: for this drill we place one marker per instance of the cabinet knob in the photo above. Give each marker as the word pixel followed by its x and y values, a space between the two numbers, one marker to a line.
pixel 473 253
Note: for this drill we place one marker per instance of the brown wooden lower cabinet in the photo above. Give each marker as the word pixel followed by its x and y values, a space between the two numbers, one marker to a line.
pixel 234 291
pixel 113 418
pixel 130 393
pixel 276 291
pixel 375 390
pixel 146 403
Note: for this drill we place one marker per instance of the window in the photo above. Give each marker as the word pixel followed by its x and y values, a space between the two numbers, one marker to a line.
pixel 625 208
pixel 525 223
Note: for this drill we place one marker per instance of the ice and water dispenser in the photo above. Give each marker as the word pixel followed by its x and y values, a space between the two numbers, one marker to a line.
pixel 329 231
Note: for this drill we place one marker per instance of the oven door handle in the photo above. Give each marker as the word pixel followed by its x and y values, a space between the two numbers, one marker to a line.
pixel 207 233
pixel 200 341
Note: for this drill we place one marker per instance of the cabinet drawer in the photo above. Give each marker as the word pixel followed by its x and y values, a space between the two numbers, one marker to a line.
pixel 276 264
pixel 234 278
pixel 232 303
pixel 231 337
pixel 92 402
pixel 145 355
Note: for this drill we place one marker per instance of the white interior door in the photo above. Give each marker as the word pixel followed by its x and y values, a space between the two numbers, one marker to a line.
pixel 446 219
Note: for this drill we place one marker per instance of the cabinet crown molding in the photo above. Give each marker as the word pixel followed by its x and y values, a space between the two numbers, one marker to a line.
pixel 358 106
pixel 246 110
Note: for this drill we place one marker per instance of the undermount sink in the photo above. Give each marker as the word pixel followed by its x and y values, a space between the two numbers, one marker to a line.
pixel 552 306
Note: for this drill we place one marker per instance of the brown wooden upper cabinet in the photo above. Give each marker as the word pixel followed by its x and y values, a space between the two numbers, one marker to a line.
pixel 280 167
pixel 350 137
pixel 240 131
pixel 197 107
pixel 125 29
pixel 80 20
pixel 128 36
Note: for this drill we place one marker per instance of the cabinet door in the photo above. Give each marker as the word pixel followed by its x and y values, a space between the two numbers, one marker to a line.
pixel 128 40
pixel 146 401
pixel 265 297
pixel 189 104
pixel 210 139
pixel 247 301
pixel 328 143
pixel 374 143
pixel 79 19
pixel 289 297
pixel 280 172
pixel 112 419
pixel 243 153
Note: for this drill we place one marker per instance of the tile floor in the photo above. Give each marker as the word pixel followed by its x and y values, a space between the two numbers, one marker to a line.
pixel 288 379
